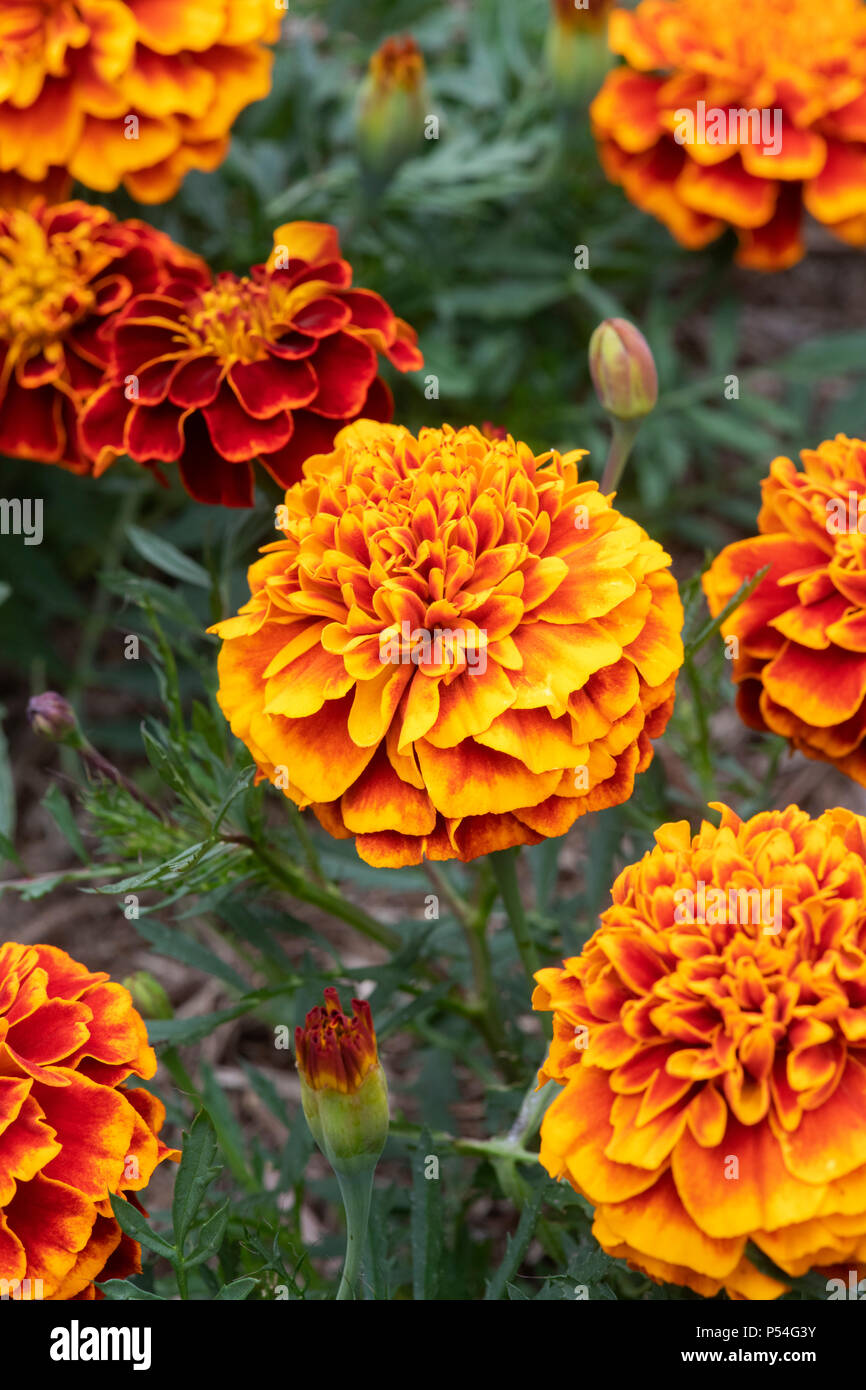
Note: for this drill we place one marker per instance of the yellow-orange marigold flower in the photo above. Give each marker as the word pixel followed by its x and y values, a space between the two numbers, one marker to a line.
pixel 127 91
pixel 71 1131
pixel 711 1044
pixel 65 273
pixel 457 647
pixel 800 659
pixel 740 115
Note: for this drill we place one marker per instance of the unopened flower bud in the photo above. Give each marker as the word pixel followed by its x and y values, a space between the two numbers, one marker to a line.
pixel 578 55
pixel 393 105
pixel 53 717
pixel 345 1098
pixel 343 1087
pixel 148 995
pixel 623 370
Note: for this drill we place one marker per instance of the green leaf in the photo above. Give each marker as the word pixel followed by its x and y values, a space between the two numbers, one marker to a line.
pixel 179 1031
pixel 121 1290
pixel 236 1291
pixel 426 1225
pixel 195 1175
pixel 8 851
pixel 173 942
pixel 166 557
pixel 131 1221
pixel 744 592
pixel 7 800
pixel 63 816
pixel 228 1131
pixel 211 1235
pixel 517 1246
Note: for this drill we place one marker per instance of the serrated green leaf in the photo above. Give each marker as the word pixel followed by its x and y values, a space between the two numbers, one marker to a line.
pixel 196 1173
pixel 121 1290
pixel 516 1248
pixel 131 1221
pixel 236 1291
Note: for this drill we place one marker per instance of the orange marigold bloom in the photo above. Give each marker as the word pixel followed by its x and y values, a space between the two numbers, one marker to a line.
pixel 71 1131
pixel 136 92
pixel 741 116
pixel 711 1044
pixel 267 367
pixel 800 660
pixel 65 271
pixel 335 1052
pixel 457 647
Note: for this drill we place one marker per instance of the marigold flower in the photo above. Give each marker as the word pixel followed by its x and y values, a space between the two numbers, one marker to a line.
pixel 71 1131
pixel 136 92
pixel 740 116
pixel 800 653
pixel 457 647
pixel 711 1044
pixel 265 367
pixel 65 270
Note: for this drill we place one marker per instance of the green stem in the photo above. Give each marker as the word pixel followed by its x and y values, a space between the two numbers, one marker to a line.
pixel 504 865
pixel 622 439
pixel 329 898
pixel 357 1189
pixel 95 622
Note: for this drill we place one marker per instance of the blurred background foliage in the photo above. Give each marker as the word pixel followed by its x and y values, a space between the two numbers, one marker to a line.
pixel 474 241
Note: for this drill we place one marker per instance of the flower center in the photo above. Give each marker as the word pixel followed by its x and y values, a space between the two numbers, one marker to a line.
pixel 42 291
pixel 237 318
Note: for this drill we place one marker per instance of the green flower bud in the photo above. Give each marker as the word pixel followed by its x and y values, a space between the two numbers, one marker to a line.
pixel 623 370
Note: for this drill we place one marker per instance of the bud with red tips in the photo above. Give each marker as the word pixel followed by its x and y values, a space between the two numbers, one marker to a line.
pixel 392 106
pixel 578 55
pixel 345 1098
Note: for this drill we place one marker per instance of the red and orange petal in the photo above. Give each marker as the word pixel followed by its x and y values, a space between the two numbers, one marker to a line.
pixel 262 368
pixel 72 1131
pixel 740 119
pixel 799 657
pixel 334 1050
pixel 455 646
pixel 136 92
pixel 711 1048
pixel 66 271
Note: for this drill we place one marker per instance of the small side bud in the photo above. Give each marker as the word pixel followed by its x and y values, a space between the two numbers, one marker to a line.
pixel 148 995
pixel 623 370
pixel 53 717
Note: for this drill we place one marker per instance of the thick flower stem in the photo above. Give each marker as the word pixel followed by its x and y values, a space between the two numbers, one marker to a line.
pixel 357 1190
pixel 622 440
pixel 504 865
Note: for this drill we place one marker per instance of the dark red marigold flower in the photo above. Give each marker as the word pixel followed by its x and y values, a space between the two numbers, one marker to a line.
pixel 65 270
pixel 71 1130
pixel 266 367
